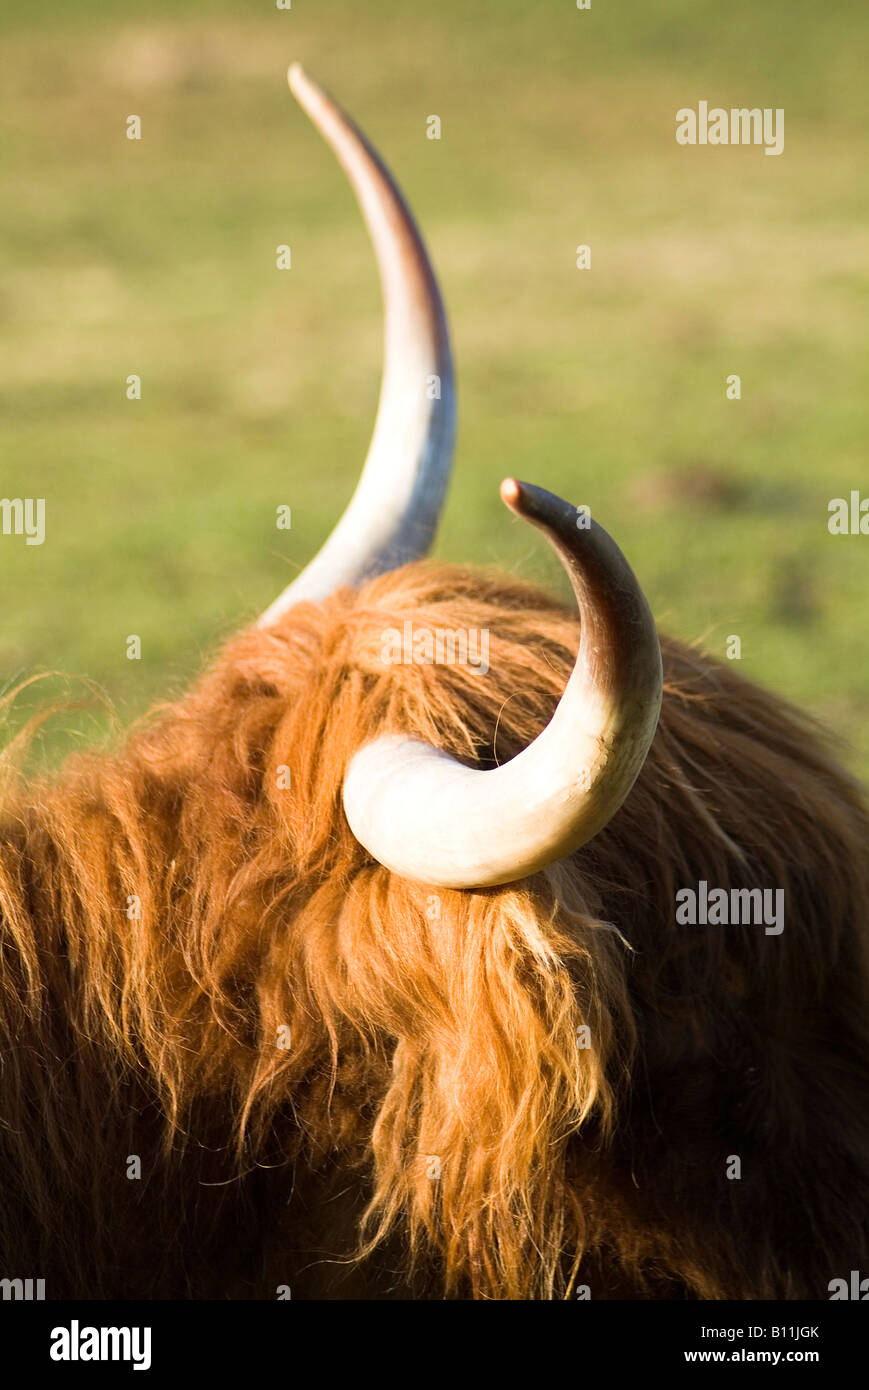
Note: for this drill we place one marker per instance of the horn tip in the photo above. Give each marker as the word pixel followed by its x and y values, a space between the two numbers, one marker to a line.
pixel 511 494
pixel 297 79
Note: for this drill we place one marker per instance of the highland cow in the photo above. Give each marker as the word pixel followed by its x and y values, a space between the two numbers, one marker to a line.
pixel 363 978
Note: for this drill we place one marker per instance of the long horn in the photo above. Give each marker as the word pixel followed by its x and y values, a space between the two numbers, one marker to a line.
pixel 428 817
pixel 393 514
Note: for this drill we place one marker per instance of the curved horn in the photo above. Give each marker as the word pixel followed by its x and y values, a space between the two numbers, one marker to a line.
pixel 428 817
pixel 394 511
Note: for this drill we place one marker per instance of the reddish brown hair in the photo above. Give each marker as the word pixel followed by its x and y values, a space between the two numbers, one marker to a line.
pixel 435 1125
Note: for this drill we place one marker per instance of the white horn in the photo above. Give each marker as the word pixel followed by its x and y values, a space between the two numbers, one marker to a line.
pixel 428 817
pixel 393 514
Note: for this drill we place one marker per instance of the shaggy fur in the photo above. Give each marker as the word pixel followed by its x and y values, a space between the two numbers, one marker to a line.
pixel 430 1025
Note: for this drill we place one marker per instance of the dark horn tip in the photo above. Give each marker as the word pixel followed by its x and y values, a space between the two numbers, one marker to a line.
pixel 543 509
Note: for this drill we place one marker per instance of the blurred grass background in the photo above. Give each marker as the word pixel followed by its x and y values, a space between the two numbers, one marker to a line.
pixel 259 387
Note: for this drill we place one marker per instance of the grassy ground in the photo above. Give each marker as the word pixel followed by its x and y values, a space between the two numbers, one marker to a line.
pixel 259 387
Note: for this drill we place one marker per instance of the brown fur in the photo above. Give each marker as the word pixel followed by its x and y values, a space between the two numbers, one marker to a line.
pixel 430 1024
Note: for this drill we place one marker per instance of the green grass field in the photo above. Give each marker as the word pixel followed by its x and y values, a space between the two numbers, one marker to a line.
pixel 259 387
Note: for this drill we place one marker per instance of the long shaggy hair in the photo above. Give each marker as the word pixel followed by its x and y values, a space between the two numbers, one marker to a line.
pixel 238 1054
